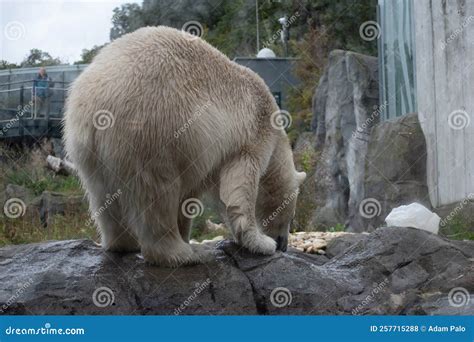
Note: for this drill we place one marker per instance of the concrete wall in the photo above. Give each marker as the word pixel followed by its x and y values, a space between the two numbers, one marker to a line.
pixel 445 93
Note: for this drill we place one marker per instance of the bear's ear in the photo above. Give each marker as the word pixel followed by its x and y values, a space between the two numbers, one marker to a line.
pixel 300 176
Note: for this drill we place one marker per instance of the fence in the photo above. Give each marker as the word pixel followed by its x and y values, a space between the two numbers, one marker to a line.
pixel 29 110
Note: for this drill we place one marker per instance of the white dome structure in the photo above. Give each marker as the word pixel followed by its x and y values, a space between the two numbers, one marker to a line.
pixel 266 53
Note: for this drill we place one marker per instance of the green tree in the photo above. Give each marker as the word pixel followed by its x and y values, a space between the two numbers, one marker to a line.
pixel 231 25
pixel 7 65
pixel 38 58
pixel 316 27
pixel 126 18
pixel 88 55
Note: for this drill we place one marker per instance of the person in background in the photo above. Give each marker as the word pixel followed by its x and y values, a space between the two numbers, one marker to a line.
pixel 42 92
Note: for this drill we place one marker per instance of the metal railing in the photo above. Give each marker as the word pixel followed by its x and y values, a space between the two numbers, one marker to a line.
pixel 21 106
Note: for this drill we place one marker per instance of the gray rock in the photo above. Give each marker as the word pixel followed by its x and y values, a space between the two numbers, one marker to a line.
pixel 438 304
pixel 21 198
pixel 343 113
pixel 18 191
pixel 46 205
pixel 340 244
pixel 362 160
pixel 396 169
pixel 391 271
pixel 318 120
pixel 363 74
pixel 55 203
pixel 58 148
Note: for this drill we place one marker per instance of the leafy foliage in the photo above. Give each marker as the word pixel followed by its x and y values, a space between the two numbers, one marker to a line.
pixel 231 25
pixel 7 65
pixel 38 58
pixel 126 18
pixel 88 55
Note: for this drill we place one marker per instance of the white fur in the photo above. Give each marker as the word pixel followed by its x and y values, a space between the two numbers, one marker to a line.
pixel 186 120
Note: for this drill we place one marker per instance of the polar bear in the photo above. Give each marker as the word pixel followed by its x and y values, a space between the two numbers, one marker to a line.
pixel 163 116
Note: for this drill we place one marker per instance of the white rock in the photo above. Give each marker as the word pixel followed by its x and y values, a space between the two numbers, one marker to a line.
pixel 414 215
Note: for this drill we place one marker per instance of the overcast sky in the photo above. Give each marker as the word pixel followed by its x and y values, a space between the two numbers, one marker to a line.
pixel 61 27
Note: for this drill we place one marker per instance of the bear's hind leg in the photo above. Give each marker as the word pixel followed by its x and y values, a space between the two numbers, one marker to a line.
pixel 238 191
pixel 171 251
pixel 115 235
pixel 160 236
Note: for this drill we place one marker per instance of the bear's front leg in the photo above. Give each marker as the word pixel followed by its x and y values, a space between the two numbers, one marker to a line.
pixel 238 191
pixel 184 225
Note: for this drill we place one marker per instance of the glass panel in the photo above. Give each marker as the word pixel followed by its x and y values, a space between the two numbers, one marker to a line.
pixel 396 58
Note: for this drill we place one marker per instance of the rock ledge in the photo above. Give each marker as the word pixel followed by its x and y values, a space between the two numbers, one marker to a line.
pixel 390 271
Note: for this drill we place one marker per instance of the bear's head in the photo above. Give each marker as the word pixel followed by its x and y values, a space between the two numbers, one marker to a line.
pixel 276 206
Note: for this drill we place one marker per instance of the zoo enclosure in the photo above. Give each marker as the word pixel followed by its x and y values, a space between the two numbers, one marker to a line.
pixel 20 113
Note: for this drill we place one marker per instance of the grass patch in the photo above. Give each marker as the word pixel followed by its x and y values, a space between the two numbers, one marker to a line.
pixel 43 180
pixel 337 228
pixel 29 229
pixel 458 229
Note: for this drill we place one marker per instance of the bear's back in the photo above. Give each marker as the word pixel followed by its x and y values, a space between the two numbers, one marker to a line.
pixel 166 75
pixel 167 91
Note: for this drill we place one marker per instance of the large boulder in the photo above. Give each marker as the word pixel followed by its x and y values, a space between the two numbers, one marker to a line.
pixel 344 110
pixel 55 203
pixel 366 167
pixel 391 271
pixel 18 201
pixel 395 171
